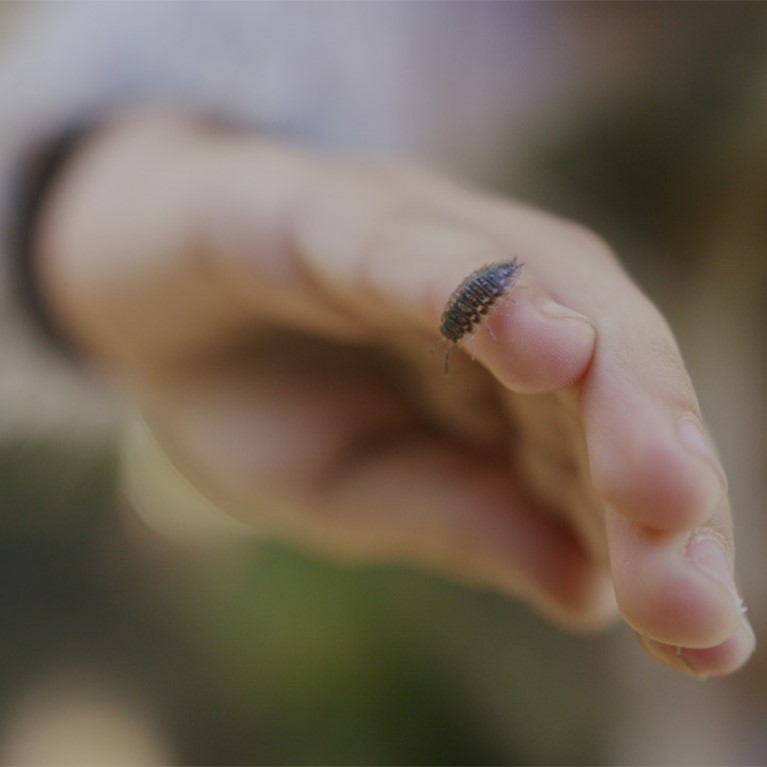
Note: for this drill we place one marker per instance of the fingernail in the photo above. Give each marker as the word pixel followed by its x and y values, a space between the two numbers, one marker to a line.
pixel 555 311
pixel 692 437
pixel 747 630
pixel 689 665
pixel 707 554
pixel 729 656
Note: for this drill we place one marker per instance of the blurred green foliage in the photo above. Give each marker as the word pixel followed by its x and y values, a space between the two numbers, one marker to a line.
pixel 266 655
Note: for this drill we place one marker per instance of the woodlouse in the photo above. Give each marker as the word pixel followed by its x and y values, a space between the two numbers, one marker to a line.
pixel 474 298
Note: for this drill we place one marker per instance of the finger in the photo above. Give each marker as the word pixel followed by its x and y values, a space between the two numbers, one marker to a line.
pixel 335 249
pixel 343 469
pixel 719 660
pixel 676 589
pixel 649 455
pixel 397 269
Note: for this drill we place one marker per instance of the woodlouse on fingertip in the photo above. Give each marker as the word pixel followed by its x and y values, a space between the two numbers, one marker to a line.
pixel 474 298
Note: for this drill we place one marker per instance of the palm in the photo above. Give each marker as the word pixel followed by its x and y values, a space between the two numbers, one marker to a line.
pixel 371 453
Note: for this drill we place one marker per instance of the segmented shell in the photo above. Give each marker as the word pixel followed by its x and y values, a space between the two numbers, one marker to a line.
pixel 475 297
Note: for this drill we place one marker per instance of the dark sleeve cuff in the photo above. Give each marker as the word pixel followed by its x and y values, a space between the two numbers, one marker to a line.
pixel 37 177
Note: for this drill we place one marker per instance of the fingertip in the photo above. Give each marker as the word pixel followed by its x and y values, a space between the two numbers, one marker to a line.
pixel 724 658
pixel 664 595
pixel 534 345
pixel 704 662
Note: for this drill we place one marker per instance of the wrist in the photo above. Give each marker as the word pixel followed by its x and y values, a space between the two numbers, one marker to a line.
pixel 122 195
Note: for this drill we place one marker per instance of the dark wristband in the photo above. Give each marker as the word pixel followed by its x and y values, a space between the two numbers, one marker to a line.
pixel 37 178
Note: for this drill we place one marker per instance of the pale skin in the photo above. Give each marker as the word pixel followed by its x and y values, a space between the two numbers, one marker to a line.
pixel 273 311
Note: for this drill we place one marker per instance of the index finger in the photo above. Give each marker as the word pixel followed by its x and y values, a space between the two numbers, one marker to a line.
pixel 392 260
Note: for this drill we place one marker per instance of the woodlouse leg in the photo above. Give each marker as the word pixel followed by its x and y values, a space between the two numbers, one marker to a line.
pixel 496 309
pixel 473 343
pixel 441 342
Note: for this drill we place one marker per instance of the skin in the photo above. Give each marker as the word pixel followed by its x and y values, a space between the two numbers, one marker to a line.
pixel 271 311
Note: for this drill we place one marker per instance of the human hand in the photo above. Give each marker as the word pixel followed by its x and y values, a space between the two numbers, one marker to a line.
pixel 272 311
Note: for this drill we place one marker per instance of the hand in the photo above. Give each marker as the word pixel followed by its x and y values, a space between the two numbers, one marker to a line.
pixel 273 311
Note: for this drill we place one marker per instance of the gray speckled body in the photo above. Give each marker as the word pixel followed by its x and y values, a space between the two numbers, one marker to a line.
pixel 475 297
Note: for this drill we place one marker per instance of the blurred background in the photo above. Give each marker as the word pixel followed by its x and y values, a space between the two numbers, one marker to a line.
pixel 138 627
